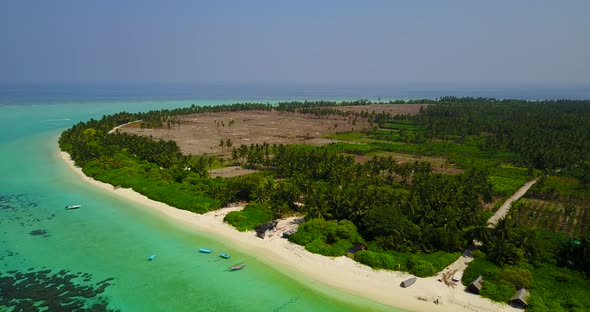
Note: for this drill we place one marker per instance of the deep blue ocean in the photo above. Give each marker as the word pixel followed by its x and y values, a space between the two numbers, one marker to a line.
pixel 45 93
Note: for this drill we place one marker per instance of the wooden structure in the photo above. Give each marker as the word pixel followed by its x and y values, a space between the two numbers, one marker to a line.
pixel 475 286
pixel 520 298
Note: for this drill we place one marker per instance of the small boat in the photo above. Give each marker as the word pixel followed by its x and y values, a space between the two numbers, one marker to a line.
pixel 224 255
pixel 237 267
pixel 205 250
pixel 152 257
pixel 409 282
pixel 73 206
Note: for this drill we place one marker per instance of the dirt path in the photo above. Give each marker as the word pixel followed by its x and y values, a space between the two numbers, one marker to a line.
pixel 123 125
pixel 455 269
pixel 458 267
pixel 501 213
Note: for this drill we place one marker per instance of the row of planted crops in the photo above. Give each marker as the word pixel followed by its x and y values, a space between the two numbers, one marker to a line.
pixel 570 218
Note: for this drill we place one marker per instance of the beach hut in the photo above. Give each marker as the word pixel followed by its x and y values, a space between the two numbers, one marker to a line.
pixel 520 298
pixel 475 286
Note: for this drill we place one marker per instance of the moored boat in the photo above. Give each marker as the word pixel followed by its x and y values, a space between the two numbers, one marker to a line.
pixel 73 206
pixel 237 267
pixel 152 257
pixel 224 255
pixel 205 250
pixel 409 282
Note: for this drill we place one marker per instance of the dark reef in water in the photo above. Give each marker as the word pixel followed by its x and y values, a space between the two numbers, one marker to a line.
pixel 39 233
pixel 22 209
pixel 45 290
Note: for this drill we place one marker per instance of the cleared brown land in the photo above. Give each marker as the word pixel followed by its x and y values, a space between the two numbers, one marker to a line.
pixel 200 134
pixel 228 172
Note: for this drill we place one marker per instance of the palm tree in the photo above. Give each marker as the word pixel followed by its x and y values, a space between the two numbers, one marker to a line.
pixel 502 252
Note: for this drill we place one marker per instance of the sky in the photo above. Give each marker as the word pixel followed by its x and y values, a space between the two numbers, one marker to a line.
pixel 342 42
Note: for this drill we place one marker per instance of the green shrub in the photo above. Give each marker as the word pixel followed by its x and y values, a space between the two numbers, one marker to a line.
pixel 329 238
pixel 480 267
pixel 250 217
pixel 369 258
pixel 500 291
pixel 420 267
pixel 388 262
pixel 440 259
pixel 478 254
pixel 518 277
pixel 308 231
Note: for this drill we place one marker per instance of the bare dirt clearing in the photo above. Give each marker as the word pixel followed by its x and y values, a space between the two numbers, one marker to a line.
pixel 229 172
pixel 201 134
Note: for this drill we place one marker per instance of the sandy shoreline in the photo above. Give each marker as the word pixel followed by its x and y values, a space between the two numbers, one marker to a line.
pixel 341 272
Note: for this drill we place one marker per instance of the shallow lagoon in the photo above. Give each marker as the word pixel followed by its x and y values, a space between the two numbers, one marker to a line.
pixel 100 251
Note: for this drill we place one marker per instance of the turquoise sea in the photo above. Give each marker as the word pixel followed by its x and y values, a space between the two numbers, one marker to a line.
pixel 95 257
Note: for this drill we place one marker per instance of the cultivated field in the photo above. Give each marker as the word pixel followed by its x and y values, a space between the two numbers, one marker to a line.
pixel 571 219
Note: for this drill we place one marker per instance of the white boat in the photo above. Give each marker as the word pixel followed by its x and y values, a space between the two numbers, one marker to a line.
pixel 73 206
pixel 237 267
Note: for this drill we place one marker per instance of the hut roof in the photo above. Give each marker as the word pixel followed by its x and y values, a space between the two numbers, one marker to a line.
pixel 521 295
pixel 476 285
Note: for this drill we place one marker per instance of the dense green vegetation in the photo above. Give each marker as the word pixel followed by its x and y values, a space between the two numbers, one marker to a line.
pixel 408 216
pixel 329 238
pixel 553 288
pixel 421 265
pixel 251 216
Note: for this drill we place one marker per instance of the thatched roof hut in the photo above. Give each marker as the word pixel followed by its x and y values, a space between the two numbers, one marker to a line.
pixel 520 298
pixel 475 286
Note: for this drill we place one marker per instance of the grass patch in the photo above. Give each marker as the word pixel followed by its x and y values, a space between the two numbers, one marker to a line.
pixel 347 136
pixel 506 179
pixel 401 124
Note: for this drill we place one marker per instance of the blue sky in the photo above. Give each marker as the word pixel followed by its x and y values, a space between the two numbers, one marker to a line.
pixel 296 42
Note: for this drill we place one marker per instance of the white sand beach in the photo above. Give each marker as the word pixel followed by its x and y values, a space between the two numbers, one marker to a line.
pixel 342 273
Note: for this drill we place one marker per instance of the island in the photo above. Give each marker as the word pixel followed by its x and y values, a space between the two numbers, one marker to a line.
pixel 370 195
